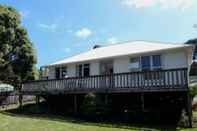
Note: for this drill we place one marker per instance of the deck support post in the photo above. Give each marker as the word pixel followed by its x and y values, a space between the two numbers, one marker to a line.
pixel 75 104
pixel 189 110
pixel 37 99
pixel 20 99
pixel 106 99
pixel 142 101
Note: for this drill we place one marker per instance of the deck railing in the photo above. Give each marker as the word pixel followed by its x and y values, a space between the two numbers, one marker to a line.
pixel 132 81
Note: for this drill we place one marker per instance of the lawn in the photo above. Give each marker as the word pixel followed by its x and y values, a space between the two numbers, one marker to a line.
pixel 10 121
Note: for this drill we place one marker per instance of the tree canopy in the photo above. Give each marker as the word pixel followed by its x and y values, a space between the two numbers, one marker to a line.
pixel 17 54
pixel 193 42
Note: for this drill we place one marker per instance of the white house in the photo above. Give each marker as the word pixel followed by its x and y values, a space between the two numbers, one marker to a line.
pixel 121 58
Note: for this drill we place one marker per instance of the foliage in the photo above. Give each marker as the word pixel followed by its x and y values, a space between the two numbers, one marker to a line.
pixel 17 55
pixel 193 42
pixel 193 91
pixel 94 107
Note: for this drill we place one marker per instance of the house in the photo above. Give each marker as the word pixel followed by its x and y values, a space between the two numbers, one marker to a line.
pixel 156 74
pixel 121 58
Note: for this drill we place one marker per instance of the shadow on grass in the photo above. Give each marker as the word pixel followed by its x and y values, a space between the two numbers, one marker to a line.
pixel 42 112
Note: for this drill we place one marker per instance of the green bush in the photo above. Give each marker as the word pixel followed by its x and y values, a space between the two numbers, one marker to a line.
pixel 193 91
pixel 93 106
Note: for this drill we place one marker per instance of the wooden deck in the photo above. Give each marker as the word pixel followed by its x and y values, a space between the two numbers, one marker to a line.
pixel 151 81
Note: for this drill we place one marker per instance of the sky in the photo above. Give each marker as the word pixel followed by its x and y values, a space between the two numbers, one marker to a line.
pixel 62 28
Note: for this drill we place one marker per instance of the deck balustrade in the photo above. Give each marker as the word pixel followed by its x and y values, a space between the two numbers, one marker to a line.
pixel 161 80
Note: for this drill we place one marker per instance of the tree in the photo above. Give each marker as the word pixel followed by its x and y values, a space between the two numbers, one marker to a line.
pixel 17 54
pixel 193 42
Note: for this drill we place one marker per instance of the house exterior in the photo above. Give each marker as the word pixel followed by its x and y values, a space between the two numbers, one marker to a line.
pixel 154 75
pixel 122 58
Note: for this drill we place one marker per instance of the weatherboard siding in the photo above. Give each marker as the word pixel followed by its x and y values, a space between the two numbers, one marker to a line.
pixel 121 64
pixel 175 59
pixel 94 68
pixel 170 59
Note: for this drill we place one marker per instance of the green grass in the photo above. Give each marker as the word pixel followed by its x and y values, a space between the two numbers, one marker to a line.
pixel 9 122
pixel 12 120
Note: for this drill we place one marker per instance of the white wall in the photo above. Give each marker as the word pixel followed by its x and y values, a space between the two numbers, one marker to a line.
pixel 170 59
pixel 175 59
pixel 94 68
pixel 51 74
pixel 71 70
pixel 121 64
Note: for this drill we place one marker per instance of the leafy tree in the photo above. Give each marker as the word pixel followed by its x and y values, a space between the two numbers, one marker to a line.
pixel 193 42
pixel 17 54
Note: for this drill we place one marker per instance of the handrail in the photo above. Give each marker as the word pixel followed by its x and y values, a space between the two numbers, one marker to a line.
pixel 163 70
pixel 148 80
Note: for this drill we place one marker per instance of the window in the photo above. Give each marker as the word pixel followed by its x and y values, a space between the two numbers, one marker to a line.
pixel 151 63
pixel 79 70
pixel 145 63
pixel 134 64
pixel 83 70
pixel 156 61
pixel 86 70
pixel 57 73
pixel 63 72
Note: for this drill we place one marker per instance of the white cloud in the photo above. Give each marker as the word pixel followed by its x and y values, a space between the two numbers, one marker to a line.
pixel 165 4
pixel 139 3
pixel 112 40
pixel 83 33
pixel 67 50
pixel 24 14
pixel 50 27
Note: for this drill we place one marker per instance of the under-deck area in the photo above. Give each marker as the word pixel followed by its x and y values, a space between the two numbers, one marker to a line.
pixel 154 93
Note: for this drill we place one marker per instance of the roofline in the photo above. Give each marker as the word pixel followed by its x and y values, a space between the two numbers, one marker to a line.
pixel 117 43
pixel 174 48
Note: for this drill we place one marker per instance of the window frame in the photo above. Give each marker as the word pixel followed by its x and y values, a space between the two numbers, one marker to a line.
pixel 80 69
pixel 156 67
pixel 64 68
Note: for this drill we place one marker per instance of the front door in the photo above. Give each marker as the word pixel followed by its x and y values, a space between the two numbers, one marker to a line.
pixel 106 68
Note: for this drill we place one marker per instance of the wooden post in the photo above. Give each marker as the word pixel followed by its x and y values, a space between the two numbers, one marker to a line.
pixel 37 99
pixel 106 99
pixel 20 99
pixel 189 110
pixel 75 104
pixel 142 101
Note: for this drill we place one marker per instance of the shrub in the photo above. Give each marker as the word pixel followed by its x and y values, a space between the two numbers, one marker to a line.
pixel 193 91
pixel 93 106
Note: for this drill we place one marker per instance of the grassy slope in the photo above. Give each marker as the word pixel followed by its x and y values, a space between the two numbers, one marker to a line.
pixel 9 122
pixel 13 121
pixel 23 123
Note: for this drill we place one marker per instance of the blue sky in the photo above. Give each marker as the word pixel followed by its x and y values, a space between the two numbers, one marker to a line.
pixel 63 28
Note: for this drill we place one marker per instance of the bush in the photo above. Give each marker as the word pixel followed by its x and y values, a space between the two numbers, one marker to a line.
pixel 193 91
pixel 93 106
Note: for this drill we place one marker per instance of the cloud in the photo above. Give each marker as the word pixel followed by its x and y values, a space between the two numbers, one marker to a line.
pixel 24 14
pixel 112 40
pixel 165 4
pixel 67 50
pixel 49 27
pixel 83 33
